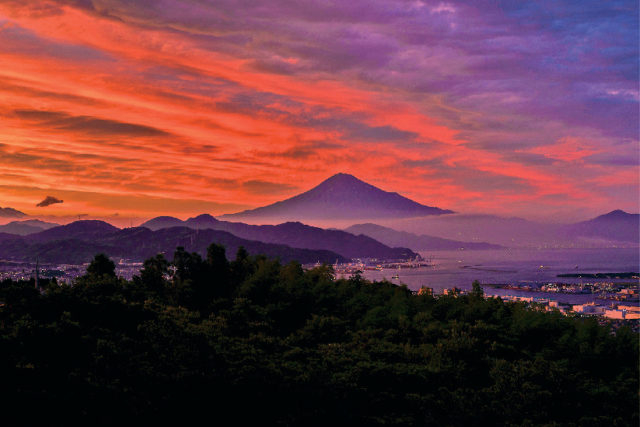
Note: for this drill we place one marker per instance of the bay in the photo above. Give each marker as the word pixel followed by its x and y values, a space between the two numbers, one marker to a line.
pixel 515 266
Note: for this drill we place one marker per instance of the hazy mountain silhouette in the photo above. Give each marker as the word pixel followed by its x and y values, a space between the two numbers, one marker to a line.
pixel 392 237
pixel 162 222
pixel 78 242
pixel 204 221
pixel 29 226
pixel 86 230
pixel 510 232
pixel 11 213
pixel 342 196
pixel 615 225
pixel 298 235
pixel 613 229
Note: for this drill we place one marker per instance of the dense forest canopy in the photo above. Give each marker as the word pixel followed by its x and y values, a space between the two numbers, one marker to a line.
pixel 253 340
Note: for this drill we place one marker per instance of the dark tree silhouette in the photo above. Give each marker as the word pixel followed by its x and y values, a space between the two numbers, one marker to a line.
pixel 275 344
pixel 101 265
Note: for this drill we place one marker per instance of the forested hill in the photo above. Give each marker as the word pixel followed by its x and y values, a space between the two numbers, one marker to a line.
pixel 78 242
pixel 296 235
pixel 260 343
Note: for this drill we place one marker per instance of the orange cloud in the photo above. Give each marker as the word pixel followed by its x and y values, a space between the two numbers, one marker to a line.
pixel 134 116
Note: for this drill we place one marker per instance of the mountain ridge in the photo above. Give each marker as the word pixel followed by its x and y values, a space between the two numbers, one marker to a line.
pixel 29 226
pixel 84 230
pixel 11 213
pixel 299 235
pixel 416 242
pixel 140 243
pixel 616 225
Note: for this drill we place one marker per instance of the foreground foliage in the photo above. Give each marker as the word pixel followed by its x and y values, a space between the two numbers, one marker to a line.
pixel 255 341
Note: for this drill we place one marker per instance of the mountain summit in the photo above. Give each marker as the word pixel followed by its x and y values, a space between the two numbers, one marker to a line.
pixel 11 213
pixel 615 225
pixel 342 196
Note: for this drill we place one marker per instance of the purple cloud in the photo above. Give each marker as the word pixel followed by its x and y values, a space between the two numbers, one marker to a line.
pixel 568 62
pixel 510 79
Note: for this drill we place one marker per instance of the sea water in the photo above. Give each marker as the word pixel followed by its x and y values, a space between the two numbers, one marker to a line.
pixel 515 266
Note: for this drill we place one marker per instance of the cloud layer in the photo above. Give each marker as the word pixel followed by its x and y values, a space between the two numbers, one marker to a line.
pixel 516 108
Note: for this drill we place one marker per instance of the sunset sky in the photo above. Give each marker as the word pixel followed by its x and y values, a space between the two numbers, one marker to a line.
pixel 145 108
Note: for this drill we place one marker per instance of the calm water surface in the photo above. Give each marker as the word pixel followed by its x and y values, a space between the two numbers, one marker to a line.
pixel 461 268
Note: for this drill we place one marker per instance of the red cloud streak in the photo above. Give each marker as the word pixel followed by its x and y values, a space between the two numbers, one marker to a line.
pixel 121 109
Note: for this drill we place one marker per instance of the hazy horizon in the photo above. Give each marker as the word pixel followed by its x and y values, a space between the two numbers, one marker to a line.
pixel 124 221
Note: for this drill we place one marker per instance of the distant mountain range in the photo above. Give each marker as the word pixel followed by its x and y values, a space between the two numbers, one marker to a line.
pixel 342 196
pixel 86 230
pixel 161 222
pixel 616 225
pixel 416 242
pixel 29 226
pixel 293 234
pixel 11 213
pixel 78 242
pixel 617 228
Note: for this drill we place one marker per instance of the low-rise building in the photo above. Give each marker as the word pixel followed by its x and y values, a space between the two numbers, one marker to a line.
pixel 424 290
pixel 621 312
pixel 589 308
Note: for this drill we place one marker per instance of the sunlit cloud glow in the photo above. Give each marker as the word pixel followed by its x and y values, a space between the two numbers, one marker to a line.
pixel 183 107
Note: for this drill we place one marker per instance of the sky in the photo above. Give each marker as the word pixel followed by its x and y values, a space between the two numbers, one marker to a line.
pixel 132 109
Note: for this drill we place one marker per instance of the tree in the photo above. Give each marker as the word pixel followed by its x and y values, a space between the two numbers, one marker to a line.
pixel 188 265
pixel 218 270
pixel 217 260
pixel 102 266
pixel 306 348
pixel 154 271
pixel 476 290
pixel 241 267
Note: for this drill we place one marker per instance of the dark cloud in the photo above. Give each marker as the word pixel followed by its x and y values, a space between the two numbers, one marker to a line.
pixel 16 39
pixel 20 87
pixel 305 150
pixel 201 149
pixel 38 162
pixel 431 163
pixel 88 125
pixel 266 187
pixel 550 58
pixel 44 159
pixel 573 62
pixel 529 159
pixel 49 200
pixel 350 125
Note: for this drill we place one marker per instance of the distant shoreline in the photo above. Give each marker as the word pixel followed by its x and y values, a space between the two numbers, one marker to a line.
pixel 625 275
